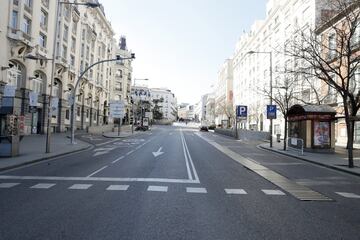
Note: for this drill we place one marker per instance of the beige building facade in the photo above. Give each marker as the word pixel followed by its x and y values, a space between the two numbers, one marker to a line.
pixel 84 36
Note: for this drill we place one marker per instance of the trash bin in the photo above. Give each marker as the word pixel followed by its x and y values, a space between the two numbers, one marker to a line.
pixel 278 137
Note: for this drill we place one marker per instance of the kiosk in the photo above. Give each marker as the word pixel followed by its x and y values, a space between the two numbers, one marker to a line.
pixel 315 125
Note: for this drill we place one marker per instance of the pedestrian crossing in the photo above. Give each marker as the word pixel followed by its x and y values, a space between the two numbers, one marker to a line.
pixel 162 188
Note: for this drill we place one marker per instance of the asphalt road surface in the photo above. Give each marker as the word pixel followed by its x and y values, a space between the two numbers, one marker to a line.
pixel 177 183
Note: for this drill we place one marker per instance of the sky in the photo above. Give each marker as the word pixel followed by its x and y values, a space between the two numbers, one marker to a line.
pixel 181 44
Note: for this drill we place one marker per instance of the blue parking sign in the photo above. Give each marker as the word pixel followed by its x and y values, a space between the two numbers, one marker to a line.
pixel 271 111
pixel 241 111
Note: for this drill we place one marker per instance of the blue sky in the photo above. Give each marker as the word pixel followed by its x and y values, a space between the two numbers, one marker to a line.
pixel 181 44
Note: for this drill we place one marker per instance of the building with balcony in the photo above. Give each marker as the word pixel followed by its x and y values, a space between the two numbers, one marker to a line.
pixel 84 36
pixel 166 101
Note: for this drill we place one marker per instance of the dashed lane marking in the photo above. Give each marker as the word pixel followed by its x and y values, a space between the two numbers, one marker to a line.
pixel 235 191
pixel 43 185
pixel 273 192
pixel 8 185
pixel 128 153
pixel 118 187
pixel 80 186
pixel 118 159
pixel 157 188
pixel 348 195
pixel 195 190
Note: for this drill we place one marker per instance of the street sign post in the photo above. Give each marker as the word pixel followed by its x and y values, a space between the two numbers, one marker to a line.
pixel 117 111
pixel 271 111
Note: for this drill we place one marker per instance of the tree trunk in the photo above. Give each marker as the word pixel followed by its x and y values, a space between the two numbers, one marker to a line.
pixel 350 135
pixel 285 133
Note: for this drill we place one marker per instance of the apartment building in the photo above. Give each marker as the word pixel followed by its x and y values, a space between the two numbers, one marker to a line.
pixel 268 38
pixel 224 92
pixel 121 87
pixel 84 36
pixel 335 36
pixel 167 102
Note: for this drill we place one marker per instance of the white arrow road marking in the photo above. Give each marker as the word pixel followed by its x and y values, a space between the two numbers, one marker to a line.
pixel 158 153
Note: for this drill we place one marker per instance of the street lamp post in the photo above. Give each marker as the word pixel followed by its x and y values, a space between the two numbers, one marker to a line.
pixel 132 126
pixel 73 101
pixel 271 98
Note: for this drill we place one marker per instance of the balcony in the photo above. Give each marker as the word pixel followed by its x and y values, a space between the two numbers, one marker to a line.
pixel 45 3
pixel 16 2
pixel 17 34
pixel 28 8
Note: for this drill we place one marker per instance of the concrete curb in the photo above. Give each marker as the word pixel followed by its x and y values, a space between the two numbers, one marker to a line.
pixel 310 161
pixel 44 158
pixel 117 136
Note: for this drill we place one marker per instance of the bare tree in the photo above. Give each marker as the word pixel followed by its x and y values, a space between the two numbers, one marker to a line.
pixel 227 109
pixel 331 53
pixel 283 96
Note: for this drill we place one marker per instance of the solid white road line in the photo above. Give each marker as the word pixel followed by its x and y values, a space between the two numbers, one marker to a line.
pixel 157 188
pixel 118 187
pixel 235 191
pixel 97 171
pixel 348 195
pixel 8 185
pixel 80 186
pixel 195 190
pixel 43 185
pixel 273 192
pixel 191 161
pixel 130 152
pixel 118 159
pixel 185 155
pixel 99 179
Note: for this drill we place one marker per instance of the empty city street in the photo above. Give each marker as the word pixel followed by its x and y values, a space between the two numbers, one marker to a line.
pixel 175 182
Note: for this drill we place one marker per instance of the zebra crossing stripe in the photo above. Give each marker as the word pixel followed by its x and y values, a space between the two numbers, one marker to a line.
pixel 348 195
pixel 80 186
pixel 118 187
pixel 8 185
pixel 43 185
pixel 157 189
pixel 235 191
pixel 273 192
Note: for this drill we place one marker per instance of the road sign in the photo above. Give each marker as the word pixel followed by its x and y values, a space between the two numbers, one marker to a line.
pixel 117 109
pixel 241 111
pixel 54 106
pixel 271 111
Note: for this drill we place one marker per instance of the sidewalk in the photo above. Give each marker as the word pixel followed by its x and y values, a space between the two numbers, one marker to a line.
pixel 337 160
pixel 32 149
pixel 125 131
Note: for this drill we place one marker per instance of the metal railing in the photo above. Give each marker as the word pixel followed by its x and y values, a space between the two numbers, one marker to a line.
pixel 296 144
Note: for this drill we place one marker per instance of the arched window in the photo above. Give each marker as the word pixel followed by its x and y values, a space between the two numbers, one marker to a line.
pixel 37 83
pixel 15 74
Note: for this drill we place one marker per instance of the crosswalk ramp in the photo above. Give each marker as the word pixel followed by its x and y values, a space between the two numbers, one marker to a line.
pixel 160 189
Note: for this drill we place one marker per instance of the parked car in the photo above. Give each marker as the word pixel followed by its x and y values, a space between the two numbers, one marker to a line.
pixel 212 127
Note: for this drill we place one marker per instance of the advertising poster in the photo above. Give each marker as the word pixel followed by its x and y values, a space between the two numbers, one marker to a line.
pixel 321 133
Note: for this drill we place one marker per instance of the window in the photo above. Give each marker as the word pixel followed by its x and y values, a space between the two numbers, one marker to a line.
pixel 26 26
pixel 64 51
pixel 355 40
pixel 66 33
pixel 87 113
pixel 14 74
pixel 42 40
pixel 28 3
pixel 14 19
pixel 83 34
pixel 72 60
pixel 67 114
pixel 43 19
pixel 37 83
pixel 78 111
pixel 354 84
pixel 82 50
pixel 87 52
pixel 73 44
pixel 332 46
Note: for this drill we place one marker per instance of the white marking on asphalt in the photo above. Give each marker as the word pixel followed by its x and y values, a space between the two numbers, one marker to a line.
pixel 97 171
pixel 138 147
pixel 273 192
pixel 191 161
pixel 185 154
pixel 157 189
pixel 118 187
pixel 348 195
pixel 43 185
pixel 118 159
pixel 8 185
pixel 171 133
pixel 80 186
pixel 195 190
pixel 235 191
pixel 158 153
pixel 130 152
pixel 99 179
